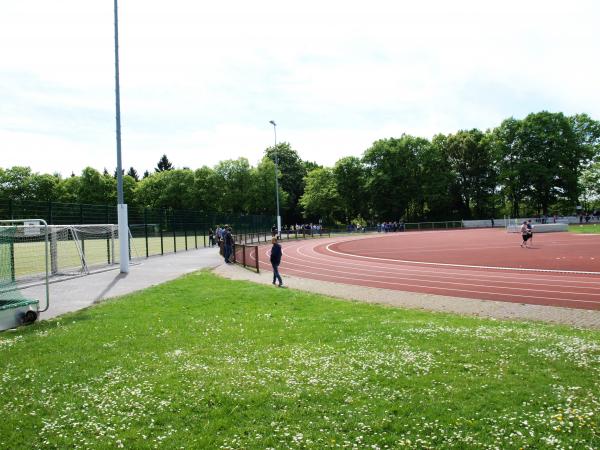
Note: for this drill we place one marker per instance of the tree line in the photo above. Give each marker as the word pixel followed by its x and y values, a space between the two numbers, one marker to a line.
pixel 546 163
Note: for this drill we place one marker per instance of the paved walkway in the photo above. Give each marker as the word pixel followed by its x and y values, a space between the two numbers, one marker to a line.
pixel 80 292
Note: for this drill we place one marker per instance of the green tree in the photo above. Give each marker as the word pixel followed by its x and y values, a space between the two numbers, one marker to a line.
pixel 129 185
pixel 350 176
pixel 587 134
pixel 68 189
pixel 438 182
pixel 14 183
pixel 233 182
pixel 44 187
pixel 550 157
pixel 471 159
pixel 133 174
pixel 293 170
pixel 167 189
pixel 392 186
pixel 163 164
pixel 512 173
pixel 204 195
pixel 320 199
pixel 261 196
pixel 95 188
pixel 590 186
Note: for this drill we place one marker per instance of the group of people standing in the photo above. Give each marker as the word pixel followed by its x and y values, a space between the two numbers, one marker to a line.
pixel 224 239
pixel 390 227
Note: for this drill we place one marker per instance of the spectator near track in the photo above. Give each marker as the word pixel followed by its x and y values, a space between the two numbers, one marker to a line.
pixel 276 253
pixel 227 244
pixel 530 230
pixel 211 237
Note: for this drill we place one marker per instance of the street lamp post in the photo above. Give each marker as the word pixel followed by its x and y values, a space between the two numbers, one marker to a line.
pixel 121 206
pixel 272 122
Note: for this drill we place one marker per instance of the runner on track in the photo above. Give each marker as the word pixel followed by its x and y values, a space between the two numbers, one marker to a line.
pixel 530 231
pixel 525 234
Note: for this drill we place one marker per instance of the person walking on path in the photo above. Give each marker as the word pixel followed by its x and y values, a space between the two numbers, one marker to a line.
pixel 524 234
pixel 211 237
pixel 276 260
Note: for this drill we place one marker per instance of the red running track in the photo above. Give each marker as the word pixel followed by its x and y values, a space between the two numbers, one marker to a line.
pixel 562 269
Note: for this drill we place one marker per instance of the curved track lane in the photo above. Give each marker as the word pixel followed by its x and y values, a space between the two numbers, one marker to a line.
pixel 324 260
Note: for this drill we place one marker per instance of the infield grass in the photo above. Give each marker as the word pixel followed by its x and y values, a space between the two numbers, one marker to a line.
pixel 585 228
pixel 203 362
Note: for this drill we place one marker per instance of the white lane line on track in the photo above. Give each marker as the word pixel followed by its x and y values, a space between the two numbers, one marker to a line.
pixel 522 279
pixel 467 291
pixel 454 249
pixel 467 266
pixel 303 272
pixel 301 268
pixel 521 286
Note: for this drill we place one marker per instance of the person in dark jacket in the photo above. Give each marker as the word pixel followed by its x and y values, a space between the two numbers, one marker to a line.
pixel 276 260
pixel 227 244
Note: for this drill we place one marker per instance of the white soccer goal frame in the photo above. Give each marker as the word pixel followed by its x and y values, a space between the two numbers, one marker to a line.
pixel 38 226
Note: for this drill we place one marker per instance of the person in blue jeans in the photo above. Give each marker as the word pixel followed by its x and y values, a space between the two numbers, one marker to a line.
pixel 276 260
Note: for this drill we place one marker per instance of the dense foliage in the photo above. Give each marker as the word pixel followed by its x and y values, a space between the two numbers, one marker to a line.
pixel 546 163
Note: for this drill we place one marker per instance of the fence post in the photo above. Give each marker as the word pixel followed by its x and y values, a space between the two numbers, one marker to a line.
pixel 12 260
pixel 50 212
pixel 146 229
pixel 195 237
pixel 162 249
pixel 185 237
pixel 108 248
pixel 81 222
pixel 174 235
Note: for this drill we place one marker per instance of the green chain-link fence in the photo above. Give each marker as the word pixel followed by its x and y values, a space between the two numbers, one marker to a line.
pixel 154 231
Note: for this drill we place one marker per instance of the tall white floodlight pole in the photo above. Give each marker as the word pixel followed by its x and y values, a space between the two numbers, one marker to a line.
pixel 121 206
pixel 272 122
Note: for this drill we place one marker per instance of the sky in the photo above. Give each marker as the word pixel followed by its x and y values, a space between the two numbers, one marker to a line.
pixel 200 81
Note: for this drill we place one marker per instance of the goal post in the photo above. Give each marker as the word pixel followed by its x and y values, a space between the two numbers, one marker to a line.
pixel 15 308
pixel 72 250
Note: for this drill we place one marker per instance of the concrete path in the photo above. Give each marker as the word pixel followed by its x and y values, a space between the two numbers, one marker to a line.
pixel 80 292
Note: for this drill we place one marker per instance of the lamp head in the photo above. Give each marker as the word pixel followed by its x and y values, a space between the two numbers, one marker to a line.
pixel 272 122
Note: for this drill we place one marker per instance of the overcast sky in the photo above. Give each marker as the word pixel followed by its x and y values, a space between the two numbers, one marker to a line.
pixel 201 80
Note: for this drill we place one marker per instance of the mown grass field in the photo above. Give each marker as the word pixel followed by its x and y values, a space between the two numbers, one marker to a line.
pixel 30 256
pixel 585 228
pixel 204 362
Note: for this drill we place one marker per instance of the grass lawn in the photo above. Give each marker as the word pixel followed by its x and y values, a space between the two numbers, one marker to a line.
pixel 204 362
pixel 586 228
pixel 30 256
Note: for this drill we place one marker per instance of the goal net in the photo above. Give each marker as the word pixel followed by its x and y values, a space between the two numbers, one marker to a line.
pixel 15 308
pixel 73 249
